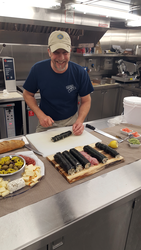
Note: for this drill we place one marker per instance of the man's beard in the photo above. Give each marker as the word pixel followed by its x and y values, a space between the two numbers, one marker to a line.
pixel 60 67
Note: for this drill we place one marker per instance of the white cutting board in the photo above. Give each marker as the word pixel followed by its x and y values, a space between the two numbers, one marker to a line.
pixel 42 141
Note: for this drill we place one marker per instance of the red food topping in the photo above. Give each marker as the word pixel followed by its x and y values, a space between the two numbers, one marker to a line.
pixel 135 134
pixel 92 160
pixel 127 130
pixel 28 160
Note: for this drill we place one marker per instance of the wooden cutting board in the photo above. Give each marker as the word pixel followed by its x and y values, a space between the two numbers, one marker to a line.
pixel 86 172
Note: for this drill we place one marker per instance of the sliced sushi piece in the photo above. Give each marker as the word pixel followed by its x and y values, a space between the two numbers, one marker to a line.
pixel 92 160
pixel 73 160
pixel 64 163
pixel 94 153
pixel 85 163
pixel 61 136
pixel 107 149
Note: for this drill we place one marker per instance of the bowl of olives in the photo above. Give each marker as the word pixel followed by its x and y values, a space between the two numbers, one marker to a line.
pixel 11 164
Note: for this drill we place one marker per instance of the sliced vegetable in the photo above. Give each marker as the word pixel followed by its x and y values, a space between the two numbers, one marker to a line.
pixel 134 141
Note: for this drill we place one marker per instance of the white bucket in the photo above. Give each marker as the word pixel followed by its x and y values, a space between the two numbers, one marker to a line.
pixel 132 110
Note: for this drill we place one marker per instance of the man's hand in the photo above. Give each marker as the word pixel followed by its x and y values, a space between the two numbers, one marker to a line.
pixel 78 128
pixel 45 121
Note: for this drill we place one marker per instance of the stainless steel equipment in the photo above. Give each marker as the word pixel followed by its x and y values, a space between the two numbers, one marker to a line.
pixel 7 74
pixel 7 120
pixel 128 72
pixel 31 118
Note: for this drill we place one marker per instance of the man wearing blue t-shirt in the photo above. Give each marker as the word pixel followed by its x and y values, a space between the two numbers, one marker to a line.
pixel 60 82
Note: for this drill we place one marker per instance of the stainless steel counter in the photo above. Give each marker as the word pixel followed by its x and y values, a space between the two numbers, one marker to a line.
pixel 31 226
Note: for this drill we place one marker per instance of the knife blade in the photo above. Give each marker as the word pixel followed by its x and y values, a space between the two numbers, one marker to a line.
pixel 35 151
pixel 101 132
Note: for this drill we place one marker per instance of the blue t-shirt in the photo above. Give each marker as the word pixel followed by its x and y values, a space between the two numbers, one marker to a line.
pixel 59 92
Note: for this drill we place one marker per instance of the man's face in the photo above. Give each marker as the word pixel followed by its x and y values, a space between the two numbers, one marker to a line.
pixel 59 60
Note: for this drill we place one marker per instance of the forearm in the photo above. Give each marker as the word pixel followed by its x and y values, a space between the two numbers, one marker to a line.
pixel 31 102
pixel 84 110
pixel 45 121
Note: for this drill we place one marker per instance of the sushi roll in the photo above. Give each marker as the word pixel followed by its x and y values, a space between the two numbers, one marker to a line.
pixel 107 149
pixel 94 153
pixel 61 136
pixel 85 163
pixel 73 160
pixel 64 163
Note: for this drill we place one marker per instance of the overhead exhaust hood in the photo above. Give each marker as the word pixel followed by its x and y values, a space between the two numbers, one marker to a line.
pixel 32 21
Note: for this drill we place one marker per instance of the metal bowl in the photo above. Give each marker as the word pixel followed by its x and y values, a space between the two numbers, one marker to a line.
pixel 11 156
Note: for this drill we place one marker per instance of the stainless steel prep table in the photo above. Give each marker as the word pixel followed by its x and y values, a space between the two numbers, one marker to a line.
pixel 82 217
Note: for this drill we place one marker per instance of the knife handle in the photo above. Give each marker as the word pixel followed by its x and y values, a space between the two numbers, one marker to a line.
pixel 90 126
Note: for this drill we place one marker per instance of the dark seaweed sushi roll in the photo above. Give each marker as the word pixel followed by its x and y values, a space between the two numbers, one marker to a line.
pixel 73 160
pixel 94 153
pixel 85 163
pixel 64 163
pixel 61 136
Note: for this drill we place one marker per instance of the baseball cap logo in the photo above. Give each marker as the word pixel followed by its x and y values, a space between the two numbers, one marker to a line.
pixel 60 36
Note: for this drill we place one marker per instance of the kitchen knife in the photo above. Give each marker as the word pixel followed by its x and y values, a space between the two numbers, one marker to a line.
pixel 35 151
pixel 101 132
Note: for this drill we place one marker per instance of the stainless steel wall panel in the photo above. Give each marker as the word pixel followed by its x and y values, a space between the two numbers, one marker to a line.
pixel 128 38
pixel 25 56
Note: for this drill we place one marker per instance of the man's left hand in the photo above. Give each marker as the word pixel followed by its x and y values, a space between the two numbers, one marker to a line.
pixel 78 128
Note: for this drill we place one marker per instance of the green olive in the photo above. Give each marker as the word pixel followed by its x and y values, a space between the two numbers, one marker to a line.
pixel 11 165
pixel 7 162
pixel 15 168
pixel 5 167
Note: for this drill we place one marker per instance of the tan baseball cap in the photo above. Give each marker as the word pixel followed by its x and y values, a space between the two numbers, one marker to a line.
pixel 59 40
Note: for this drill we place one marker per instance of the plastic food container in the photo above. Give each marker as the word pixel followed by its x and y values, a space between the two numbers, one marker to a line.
pixel 132 109
pixel 134 145
pixel 126 133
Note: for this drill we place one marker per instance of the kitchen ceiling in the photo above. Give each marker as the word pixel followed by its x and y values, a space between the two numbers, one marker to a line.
pixel 50 20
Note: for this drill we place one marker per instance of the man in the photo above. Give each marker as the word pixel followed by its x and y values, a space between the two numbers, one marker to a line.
pixel 60 82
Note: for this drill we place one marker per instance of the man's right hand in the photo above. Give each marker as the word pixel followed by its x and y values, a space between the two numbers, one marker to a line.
pixel 46 121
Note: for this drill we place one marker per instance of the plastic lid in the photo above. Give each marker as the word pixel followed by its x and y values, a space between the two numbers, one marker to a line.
pixel 133 100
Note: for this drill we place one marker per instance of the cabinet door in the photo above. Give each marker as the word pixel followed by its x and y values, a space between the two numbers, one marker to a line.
pixel 110 102
pixel 105 230
pixel 96 105
pixel 134 235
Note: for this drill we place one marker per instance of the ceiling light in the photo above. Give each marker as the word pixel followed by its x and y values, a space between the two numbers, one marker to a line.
pixel 33 3
pixel 134 23
pixel 97 10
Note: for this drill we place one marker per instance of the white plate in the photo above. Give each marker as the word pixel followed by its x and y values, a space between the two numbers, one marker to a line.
pixel 19 174
pixel 4 175
pixel 126 133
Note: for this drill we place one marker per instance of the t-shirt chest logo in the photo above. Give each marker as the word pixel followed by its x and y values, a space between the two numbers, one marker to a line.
pixel 70 88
